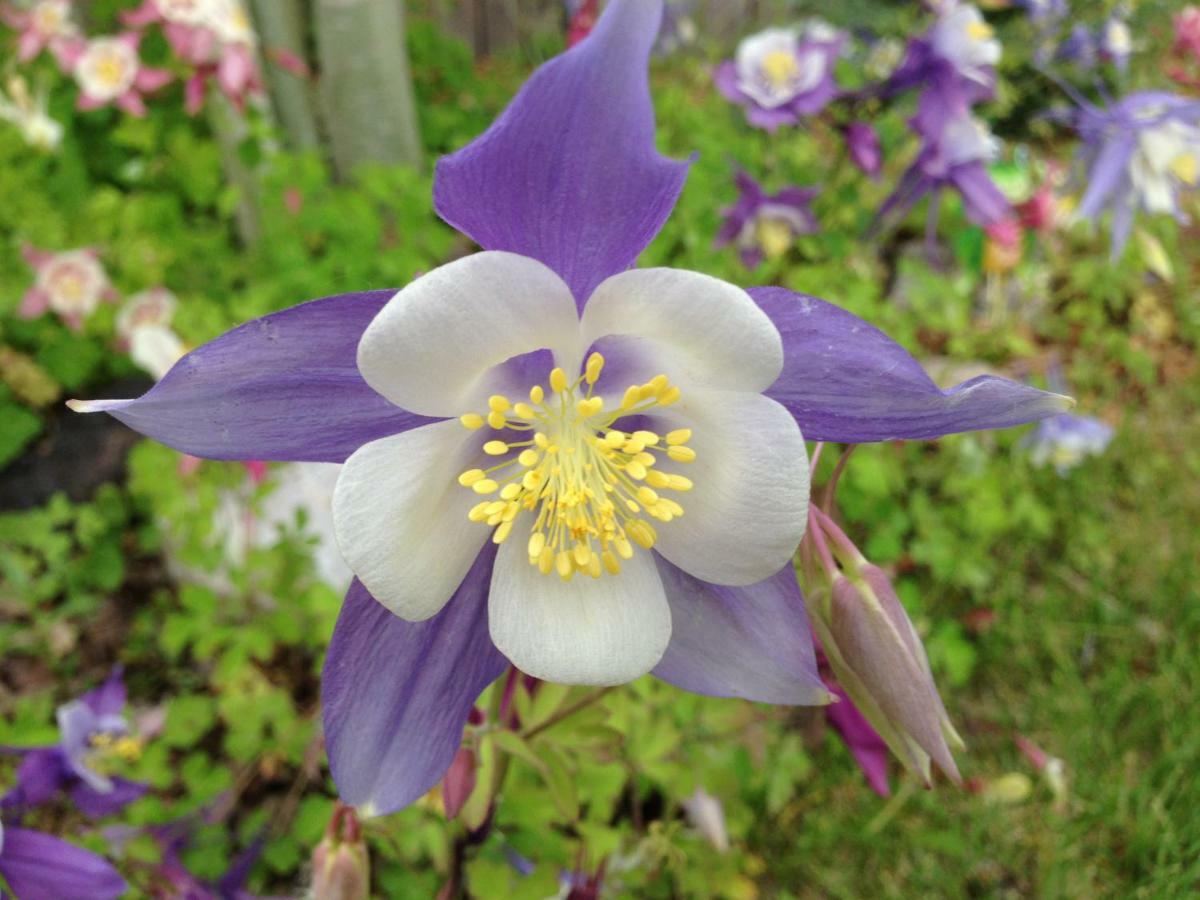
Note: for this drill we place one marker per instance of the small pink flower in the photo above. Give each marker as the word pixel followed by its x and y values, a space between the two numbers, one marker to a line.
pixel 151 308
pixel 1187 30
pixel 109 71
pixel 70 284
pixel 45 25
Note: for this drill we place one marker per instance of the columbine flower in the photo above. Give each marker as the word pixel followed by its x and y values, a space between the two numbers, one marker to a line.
pixel 340 864
pixel 1064 441
pixel 47 24
pixel 93 734
pixel 694 409
pixel 70 284
pixel 1116 43
pixel 766 226
pixel 862 143
pixel 955 156
pixel 144 330
pixel 109 70
pixel 782 74
pixel 959 53
pixel 33 864
pixel 29 114
pixel 1140 153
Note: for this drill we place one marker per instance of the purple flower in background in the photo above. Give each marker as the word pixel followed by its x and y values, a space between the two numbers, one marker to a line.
pixel 1139 154
pixel 1080 48
pixel 955 156
pixel 782 74
pixel 549 340
pixel 37 866
pixel 92 732
pixel 765 225
pixel 958 53
pixel 862 143
pixel 1066 440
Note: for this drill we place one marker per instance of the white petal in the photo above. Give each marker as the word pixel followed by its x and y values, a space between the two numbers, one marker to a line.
pixel 605 630
pixel 431 347
pixel 748 508
pixel 400 517
pixel 696 329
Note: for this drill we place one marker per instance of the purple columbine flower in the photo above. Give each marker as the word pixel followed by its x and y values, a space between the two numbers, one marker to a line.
pixel 766 225
pixel 92 731
pixel 958 53
pixel 1140 154
pixel 1064 441
pixel 955 156
pixel 703 384
pixel 782 74
pixel 37 866
pixel 862 143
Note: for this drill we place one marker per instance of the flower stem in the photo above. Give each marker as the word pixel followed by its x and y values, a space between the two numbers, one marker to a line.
pixel 567 711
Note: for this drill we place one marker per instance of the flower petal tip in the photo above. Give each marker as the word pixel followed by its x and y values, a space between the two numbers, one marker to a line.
pixel 92 406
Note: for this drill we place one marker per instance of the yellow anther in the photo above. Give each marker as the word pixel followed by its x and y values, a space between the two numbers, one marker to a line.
pixel 473 421
pixel 494 507
pixel 657 479
pixel 590 407
pixel 671 506
pixel 647 496
pixel 545 561
pixel 632 395
pixel 680 483
pixel 593 566
pixel 495 448
pixel 541 440
pixel 499 403
pixel 682 454
pixel 510 491
pixel 485 486
pixel 635 470
pixel 979 31
pixel 537 543
pixel 496 420
pixel 471 476
pixel 562 564
pixel 780 67
pixel 624 548
pixel 478 512
pixel 558 381
pixel 669 396
pixel 1185 167
pixel 648 438
pixel 633 446
pixel 594 364
pixel 502 531
pixel 523 411
pixel 679 436
pixel 536 394
pixel 642 533
pixel 615 439
pixel 528 457
pixel 583 555
pixel 646 459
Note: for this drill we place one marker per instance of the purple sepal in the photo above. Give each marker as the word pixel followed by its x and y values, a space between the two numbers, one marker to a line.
pixel 864 743
pixel 568 174
pixel 109 698
pixel 791 205
pixel 97 804
pixel 751 642
pixel 283 387
pixel 396 694
pixel 41 774
pixel 846 381
pixel 41 867
pixel 862 145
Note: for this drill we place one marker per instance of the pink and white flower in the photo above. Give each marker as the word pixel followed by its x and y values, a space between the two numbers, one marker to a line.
pixel 46 25
pixel 71 284
pixel 144 330
pixel 28 113
pixel 109 70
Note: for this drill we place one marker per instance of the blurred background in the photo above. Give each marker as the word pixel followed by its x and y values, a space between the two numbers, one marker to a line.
pixel 283 150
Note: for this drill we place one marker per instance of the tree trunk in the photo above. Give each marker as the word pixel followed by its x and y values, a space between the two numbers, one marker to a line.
pixel 282 26
pixel 366 85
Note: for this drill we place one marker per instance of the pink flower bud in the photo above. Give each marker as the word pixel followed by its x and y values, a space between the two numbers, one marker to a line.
pixel 458 782
pixel 341 866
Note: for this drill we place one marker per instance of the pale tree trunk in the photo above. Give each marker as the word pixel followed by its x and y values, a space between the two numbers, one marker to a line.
pixel 366 85
pixel 282 26
pixel 229 128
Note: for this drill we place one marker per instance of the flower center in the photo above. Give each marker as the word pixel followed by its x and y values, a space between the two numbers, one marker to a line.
pixel 979 31
pixel 780 68
pixel 774 236
pixel 107 752
pixel 49 18
pixel 586 483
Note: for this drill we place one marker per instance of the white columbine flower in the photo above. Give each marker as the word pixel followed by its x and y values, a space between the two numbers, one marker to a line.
pixel 1166 155
pixel 772 70
pixel 578 444
pixel 967 139
pixel 966 41
pixel 107 68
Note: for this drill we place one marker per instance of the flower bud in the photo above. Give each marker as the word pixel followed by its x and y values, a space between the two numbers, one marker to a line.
pixel 341 867
pixel 877 657
pixel 862 143
pixel 458 782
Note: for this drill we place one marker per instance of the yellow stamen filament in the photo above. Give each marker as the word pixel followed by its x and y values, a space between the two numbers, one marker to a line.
pixel 589 487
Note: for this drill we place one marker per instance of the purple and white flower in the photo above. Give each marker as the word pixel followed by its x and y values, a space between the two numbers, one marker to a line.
pixel 37 866
pixel 1066 440
pixel 959 52
pixel 1116 42
pixel 573 374
pixel 93 733
pixel 1140 154
pixel 782 74
pixel 765 226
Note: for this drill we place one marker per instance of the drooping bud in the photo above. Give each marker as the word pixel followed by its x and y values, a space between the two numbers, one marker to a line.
pixel 341 866
pixel 862 143
pixel 458 782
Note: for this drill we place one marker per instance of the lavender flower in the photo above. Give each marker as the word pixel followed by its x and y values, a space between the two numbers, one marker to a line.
pixel 548 339
pixel 957 54
pixel 1066 440
pixel 1080 48
pixel 766 226
pixel 92 733
pixel 37 865
pixel 862 143
pixel 1140 154
pixel 781 74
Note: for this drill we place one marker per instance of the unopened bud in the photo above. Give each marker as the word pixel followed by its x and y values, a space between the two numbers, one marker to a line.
pixel 458 782
pixel 341 867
